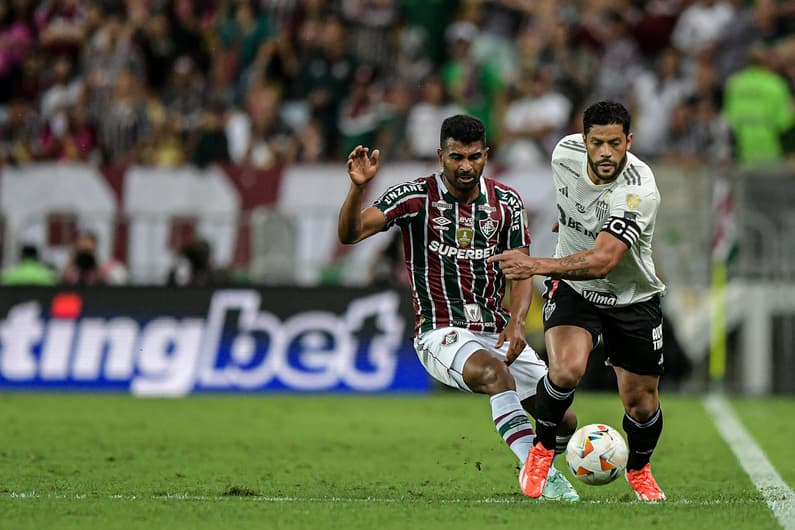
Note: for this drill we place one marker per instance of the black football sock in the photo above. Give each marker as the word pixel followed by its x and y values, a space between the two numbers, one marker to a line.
pixel 551 403
pixel 642 438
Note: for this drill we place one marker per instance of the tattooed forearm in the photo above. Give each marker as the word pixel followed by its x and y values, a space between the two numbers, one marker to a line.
pixel 574 260
pixel 578 266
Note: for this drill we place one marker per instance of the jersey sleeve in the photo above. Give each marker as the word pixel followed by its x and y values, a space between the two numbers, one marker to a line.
pixel 401 203
pixel 518 233
pixel 632 209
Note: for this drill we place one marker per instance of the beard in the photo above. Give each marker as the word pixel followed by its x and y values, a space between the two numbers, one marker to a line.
pixel 617 168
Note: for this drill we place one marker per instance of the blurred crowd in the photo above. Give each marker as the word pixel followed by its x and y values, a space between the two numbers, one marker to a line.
pixel 263 83
pixel 270 82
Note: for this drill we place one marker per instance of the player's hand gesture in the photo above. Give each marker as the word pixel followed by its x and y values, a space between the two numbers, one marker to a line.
pixel 361 167
pixel 514 334
pixel 515 265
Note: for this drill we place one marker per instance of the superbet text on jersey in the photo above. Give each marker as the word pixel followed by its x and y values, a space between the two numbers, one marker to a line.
pixel 626 207
pixel 447 243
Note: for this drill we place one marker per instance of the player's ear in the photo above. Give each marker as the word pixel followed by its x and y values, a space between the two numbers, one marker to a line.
pixel 439 153
pixel 629 141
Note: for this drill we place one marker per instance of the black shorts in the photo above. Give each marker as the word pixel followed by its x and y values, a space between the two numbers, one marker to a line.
pixel 632 334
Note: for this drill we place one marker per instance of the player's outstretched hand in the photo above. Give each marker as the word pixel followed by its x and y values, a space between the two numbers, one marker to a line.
pixel 361 167
pixel 514 264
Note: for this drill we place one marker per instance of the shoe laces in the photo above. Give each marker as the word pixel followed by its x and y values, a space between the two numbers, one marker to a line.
pixel 644 479
pixel 544 455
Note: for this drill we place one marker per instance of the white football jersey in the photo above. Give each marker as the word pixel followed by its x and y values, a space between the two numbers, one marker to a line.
pixel 626 207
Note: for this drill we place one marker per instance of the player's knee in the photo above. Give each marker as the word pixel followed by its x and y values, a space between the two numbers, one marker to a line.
pixel 568 368
pixel 493 377
pixel 567 375
pixel 640 404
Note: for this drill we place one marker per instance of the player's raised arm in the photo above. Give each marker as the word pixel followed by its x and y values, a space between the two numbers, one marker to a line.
pixel 354 224
pixel 596 262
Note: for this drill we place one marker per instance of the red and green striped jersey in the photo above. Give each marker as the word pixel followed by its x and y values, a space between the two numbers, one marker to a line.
pixel 446 244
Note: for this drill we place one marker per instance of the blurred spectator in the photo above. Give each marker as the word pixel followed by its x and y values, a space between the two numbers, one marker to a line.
pixel 685 142
pixel 369 24
pixel 654 96
pixel 69 136
pixel 751 23
pixel 29 270
pixel 360 113
pixel 310 143
pixel 190 22
pixel 412 63
pixel 16 37
pixel 701 24
pixel 426 116
pixel 63 93
pixel 620 61
pixel 158 48
pixel 166 147
pixel 324 79
pixel 759 106
pixel 243 29
pixel 534 119
pixel 655 23
pixel 29 84
pixel 19 133
pixel 110 53
pixel 427 18
pixel 571 64
pixel 124 125
pixel 270 140
pixel 61 26
pixel 211 144
pixel 183 96
pixel 398 98
pixel 275 64
pixel 194 266
pixel 85 268
pixel 474 86
pixel 498 21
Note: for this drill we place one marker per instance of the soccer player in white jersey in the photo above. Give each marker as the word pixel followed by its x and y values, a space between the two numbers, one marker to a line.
pixel 601 282
pixel 451 223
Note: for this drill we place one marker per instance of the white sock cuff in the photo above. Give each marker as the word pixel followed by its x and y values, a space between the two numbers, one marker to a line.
pixel 505 402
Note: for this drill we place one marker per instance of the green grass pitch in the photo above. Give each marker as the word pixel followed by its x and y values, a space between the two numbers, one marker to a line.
pixel 75 461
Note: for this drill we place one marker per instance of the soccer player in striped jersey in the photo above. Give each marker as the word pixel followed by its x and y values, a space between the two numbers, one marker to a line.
pixel 601 282
pixel 451 223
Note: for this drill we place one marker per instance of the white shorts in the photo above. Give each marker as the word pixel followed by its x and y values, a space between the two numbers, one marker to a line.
pixel 444 351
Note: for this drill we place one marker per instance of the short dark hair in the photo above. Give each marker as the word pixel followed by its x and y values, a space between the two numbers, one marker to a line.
pixel 606 113
pixel 462 128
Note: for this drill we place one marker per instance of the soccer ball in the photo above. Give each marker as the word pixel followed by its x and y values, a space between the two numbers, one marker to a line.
pixel 596 454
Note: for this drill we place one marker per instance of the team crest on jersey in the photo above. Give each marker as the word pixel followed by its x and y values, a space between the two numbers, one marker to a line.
pixel 549 308
pixel 602 210
pixel 472 311
pixel 450 338
pixel 488 226
pixel 633 201
pixel 464 236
